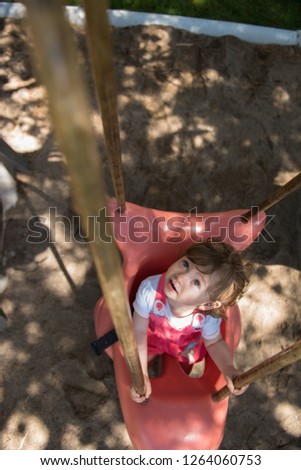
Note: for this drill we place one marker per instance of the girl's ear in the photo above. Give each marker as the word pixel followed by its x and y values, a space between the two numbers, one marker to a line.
pixel 210 306
pixel 215 309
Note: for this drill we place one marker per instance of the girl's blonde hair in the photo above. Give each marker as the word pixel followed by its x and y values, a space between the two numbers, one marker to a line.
pixel 233 275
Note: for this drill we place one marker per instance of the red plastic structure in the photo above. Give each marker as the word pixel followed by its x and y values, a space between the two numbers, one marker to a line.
pixel 180 413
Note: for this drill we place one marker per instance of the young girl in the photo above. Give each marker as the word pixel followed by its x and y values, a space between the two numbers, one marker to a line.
pixel 179 312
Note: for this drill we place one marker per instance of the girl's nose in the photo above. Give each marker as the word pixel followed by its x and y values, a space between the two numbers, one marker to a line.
pixel 181 277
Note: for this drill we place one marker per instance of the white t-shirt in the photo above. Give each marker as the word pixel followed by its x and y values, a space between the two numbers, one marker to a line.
pixel 144 303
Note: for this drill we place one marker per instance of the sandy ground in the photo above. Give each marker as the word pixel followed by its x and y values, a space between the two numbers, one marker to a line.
pixel 205 122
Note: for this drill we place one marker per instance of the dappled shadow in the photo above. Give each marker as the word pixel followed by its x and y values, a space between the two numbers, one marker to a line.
pixel 207 123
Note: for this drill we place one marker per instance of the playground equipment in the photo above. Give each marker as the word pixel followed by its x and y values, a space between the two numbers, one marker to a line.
pixel 181 413
pixel 10 162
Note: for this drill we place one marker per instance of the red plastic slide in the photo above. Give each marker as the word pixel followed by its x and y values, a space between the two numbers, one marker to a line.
pixel 180 413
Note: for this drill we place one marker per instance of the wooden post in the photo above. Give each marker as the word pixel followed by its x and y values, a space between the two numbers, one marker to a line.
pixel 100 45
pixel 285 190
pixel 278 361
pixel 68 102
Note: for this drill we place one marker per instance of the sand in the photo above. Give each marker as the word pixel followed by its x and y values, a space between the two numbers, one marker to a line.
pixel 204 122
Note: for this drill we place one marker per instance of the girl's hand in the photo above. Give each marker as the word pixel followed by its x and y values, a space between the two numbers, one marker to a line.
pixel 230 374
pixel 147 388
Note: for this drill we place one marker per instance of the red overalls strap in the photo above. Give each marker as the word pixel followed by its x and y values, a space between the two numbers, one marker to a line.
pixel 186 344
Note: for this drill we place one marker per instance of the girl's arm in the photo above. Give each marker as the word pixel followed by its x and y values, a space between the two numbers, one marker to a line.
pixel 140 328
pixel 220 354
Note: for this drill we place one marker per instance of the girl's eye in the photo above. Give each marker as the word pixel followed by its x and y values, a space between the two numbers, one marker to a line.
pixel 196 283
pixel 185 263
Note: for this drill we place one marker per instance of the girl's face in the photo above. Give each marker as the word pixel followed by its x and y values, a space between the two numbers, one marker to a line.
pixel 186 285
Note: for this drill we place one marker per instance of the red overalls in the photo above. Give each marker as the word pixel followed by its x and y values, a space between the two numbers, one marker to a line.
pixel 186 344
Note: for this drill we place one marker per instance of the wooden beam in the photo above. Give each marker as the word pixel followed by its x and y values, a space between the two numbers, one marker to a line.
pixel 273 364
pixel 68 100
pixel 101 52
pixel 284 191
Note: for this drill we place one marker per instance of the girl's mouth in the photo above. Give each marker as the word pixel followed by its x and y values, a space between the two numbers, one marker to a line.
pixel 172 285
